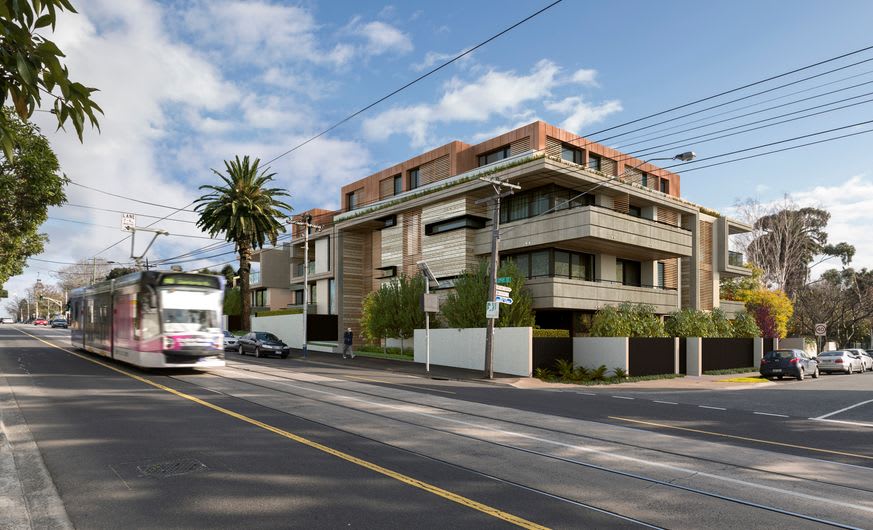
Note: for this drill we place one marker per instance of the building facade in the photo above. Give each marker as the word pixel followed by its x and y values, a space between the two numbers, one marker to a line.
pixel 589 227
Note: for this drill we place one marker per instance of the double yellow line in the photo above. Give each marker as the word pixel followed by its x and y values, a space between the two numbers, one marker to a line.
pixel 430 488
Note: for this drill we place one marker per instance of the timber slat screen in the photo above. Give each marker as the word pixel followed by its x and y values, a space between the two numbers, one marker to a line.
pixel 547 350
pixel 727 354
pixel 651 356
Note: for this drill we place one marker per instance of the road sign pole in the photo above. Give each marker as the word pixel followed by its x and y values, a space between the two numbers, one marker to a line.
pixel 495 262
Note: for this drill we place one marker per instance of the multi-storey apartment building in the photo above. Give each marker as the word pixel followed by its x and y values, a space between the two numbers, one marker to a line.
pixel 590 226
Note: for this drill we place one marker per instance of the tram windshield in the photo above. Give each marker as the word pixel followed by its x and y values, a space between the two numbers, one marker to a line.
pixel 185 311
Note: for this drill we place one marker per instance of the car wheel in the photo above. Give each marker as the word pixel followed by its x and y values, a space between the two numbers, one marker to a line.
pixel 800 373
pixel 851 370
pixel 241 351
pixel 779 377
pixel 815 373
pixel 284 355
pixel 257 352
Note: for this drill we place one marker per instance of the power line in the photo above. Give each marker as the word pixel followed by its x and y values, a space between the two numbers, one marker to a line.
pixel 182 209
pixel 414 81
pixel 147 226
pixel 123 211
pixel 117 228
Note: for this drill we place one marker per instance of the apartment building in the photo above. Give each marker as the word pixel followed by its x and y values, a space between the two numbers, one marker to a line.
pixel 590 226
pixel 268 280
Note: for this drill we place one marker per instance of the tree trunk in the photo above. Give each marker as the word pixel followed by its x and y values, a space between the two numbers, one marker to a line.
pixel 245 255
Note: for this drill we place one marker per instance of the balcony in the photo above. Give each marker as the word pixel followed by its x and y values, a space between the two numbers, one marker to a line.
pixel 255 278
pixel 593 229
pixel 299 269
pixel 731 264
pixel 565 293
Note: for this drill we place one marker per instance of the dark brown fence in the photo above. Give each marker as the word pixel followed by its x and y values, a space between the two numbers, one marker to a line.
pixel 547 350
pixel 651 356
pixel 322 327
pixel 683 356
pixel 726 354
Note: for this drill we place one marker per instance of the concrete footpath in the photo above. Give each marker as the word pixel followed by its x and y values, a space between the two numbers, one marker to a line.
pixel 28 498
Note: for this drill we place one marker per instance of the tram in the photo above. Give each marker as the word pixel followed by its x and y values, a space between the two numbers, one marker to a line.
pixel 152 319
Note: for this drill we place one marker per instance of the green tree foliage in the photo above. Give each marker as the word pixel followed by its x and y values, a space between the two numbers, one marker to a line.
pixel 29 183
pixel 721 326
pixel 246 212
pixel 841 299
pixel 31 68
pixel 744 326
pixel 465 306
pixel 232 301
pixel 690 323
pixel 228 272
pixel 394 310
pixel 627 320
pixel 772 311
pixel 118 272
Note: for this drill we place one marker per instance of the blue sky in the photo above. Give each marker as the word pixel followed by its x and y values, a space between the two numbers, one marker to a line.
pixel 188 84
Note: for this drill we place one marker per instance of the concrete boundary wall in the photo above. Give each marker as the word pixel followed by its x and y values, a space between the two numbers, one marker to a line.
pixel 591 352
pixel 694 356
pixel 289 328
pixel 465 348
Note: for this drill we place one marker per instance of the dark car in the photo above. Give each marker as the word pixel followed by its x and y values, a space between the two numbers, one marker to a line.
pixel 793 363
pixel 262 343
pixel 59 323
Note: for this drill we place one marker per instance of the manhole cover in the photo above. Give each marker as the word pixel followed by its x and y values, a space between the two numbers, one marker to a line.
pixel 172 468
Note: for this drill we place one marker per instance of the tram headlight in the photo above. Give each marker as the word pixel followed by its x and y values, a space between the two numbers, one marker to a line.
pixel 169 343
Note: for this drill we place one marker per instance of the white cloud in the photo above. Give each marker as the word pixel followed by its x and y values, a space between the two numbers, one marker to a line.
pixel 382 38
pixel 580 113
pixel 432 58
pixel 585 76
pixel 495 93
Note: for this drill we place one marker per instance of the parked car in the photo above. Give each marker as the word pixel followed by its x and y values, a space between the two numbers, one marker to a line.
pixel 231 341
pixel 7 320
pixel 40 322
pixel 839 361
pixel 793 363
pixel 59 323
pixel 866 360
pixel 262 343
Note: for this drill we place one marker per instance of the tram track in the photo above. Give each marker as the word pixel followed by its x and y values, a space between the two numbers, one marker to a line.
pixel 650 480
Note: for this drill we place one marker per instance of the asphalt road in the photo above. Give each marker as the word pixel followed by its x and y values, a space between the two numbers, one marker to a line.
pixel 285 443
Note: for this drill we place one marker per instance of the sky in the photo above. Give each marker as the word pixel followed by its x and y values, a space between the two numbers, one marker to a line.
pixel 186 85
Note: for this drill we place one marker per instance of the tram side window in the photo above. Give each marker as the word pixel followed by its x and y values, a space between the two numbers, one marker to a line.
pixel 148 318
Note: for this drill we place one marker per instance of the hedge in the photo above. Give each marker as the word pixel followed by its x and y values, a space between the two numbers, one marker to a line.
pixel 551 333
pixel 278 312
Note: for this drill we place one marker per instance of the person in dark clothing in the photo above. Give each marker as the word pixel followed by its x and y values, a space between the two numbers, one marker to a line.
pixel 348 337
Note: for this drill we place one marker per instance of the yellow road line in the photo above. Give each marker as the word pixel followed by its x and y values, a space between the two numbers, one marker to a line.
pixel 745 438
pixel 454 497
pixel 398 384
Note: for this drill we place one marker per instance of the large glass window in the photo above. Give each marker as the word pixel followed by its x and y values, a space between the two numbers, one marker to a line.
pixel 582 266
pixel 662 276
pixel 541 200
pixel 351 200
pixel 571 154
pixel 665 185
pixel 187 311
pixel 628 272
pixel 539 263
pixel 398 185
pixel 331 299
pixel 494 156
pixel 562 263
pixel 594 162
pixel 413 178
pixel 456 223
pixel 554 262
pixel 636 211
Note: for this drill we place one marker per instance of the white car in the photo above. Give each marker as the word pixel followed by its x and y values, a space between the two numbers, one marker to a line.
pixel 839 361
pixel 866 360
pixel 231 341
pixel 7 320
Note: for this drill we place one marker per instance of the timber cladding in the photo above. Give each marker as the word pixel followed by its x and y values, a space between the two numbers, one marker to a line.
pixel 435 170
pixel 671 273
pixel 412 231
pixel 353 279
pixel 706 276
pixel 666 215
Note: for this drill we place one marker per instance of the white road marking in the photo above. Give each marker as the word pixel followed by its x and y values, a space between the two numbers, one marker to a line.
pixel 622 397
pixel 771 414
pixel 666 402
pixel 828 415
pixel 713 408
pixel 846 422
pixel 587 393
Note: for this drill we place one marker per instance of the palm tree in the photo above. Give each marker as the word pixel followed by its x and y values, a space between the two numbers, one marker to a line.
pixel 248 213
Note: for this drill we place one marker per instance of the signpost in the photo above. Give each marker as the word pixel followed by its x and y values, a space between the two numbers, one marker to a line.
pixel 820 331
pixel 492 310
pixel 504 280
pixel 503 300
pixel 502 290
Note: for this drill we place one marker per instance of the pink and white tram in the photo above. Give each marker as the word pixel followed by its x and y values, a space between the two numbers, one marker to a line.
pixel 152 319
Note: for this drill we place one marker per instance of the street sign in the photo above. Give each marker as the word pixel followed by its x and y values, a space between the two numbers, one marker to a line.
pixel 505 280
pixel 821 330
pixel 503 300
pixel 128 221
pixel 492 310
pixel 430 303
pixel 503 290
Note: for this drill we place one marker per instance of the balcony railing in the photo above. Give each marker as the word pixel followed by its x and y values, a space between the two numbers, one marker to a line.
pixel 254 277
pixel 735 259
pixel 298 269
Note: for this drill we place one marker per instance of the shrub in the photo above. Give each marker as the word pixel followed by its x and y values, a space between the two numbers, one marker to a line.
pixel 771 309
pixel 619 373
pixel 599 373
pixel 543 373
pixel 465 306
pixel 627 320
pixel 551 333
pixel 721 326
pixel 744 326
pixel 581 374
pixel 565 368
pixel 690 323
pixel 278 312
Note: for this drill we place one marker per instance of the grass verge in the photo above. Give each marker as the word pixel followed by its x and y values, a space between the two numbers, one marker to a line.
pixel 610 380
pixel 731 371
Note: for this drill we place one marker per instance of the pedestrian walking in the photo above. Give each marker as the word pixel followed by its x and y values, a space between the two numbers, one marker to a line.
pixel 348 337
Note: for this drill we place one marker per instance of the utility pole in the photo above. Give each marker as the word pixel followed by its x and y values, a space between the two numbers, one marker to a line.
pixel 498 186
pixel 306 223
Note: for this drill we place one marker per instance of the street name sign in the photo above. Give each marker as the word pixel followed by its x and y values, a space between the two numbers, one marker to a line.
pixel 503 290
pixel 503 300
pixel 492 310
pixel 504 280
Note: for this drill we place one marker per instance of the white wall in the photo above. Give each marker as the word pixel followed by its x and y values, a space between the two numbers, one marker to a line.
pixel 322 253
pixel 694 356
pixel 591 352
pixel 289 328
pixel 465 348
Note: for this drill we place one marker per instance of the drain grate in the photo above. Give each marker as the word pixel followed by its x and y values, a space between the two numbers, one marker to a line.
pixel 172 468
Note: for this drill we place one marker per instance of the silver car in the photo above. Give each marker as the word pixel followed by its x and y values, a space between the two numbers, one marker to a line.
pixel 231 341
pixel 839 361
pixel 866 360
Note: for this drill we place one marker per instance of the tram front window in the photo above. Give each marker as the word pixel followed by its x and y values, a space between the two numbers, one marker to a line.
pixel 190 311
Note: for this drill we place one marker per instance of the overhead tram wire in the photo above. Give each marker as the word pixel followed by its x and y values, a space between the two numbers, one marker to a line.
pixel 414 81
pixel 147 226
pixel 125 211
pixel 182 209
pixel 116 228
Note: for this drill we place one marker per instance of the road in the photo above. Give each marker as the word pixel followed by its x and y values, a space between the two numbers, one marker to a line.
pixel 267 443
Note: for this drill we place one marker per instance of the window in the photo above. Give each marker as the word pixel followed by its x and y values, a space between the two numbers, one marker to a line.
pixel 554 262
pixel 259 298
pixel 571 154
pixel 636 211
pixel 494 156
pixel 662 277
pixel 541 200
pixel 665 186
pixel 455 223
pixel 582 266
pixel 539 263
pixel 594 162
pixel 644 180
pixel 398 184
pixel 351 200
pixel 312 294
pixel 331 299
pixel 628 272
pixel 562 264
pixel 389 221
pixel 413 179
pixel 298 297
